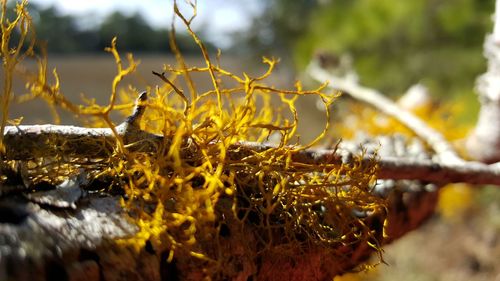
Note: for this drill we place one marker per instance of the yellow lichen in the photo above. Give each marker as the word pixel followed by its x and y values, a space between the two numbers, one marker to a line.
pixel 13 54
pixel 179 199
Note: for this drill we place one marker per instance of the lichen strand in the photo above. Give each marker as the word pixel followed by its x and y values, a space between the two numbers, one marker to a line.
pixel 13 54
pixel 218 208
pixel 197 189
pixel 195 185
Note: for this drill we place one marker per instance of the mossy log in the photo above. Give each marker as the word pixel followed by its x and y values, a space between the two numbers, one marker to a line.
pixel 42 242
pixel 73 231
pixel 76 230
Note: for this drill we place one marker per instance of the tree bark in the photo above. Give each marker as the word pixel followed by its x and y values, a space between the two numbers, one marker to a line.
pixel 45 242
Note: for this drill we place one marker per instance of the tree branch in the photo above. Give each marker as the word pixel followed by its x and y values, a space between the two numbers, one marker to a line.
pixel 439 144
pixel 396 167
pixel 25 142
pixel 447 168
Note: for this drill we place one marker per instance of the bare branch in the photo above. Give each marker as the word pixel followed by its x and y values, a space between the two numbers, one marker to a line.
pixel 25 142
pixel 29 142
pixel 428 170
pixel 439 144
pixel 397 167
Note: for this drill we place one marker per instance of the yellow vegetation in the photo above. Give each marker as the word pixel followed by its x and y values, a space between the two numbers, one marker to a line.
pixel 177 198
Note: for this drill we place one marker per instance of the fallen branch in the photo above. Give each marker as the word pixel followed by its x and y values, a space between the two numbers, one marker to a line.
pixel 447 168
pixel 439 144
pixel 81 240
pixel 85 239
pixel 28 142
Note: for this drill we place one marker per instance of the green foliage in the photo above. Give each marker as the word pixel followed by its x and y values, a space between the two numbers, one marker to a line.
pixel 394 44
pixel 277 29
pixel 398 43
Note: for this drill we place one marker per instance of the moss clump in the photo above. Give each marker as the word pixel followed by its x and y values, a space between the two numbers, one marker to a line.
pixel 207 203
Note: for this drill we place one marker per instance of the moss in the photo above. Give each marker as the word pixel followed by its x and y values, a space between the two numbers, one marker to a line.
pixel 190 199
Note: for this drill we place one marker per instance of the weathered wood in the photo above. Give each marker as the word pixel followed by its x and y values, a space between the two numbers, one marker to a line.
pixel 47 243
pixel 58 244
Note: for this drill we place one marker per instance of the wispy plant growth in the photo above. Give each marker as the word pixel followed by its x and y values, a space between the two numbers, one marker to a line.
pixel 185 169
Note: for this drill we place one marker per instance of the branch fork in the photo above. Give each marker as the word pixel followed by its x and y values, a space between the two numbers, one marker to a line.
pixel 446 167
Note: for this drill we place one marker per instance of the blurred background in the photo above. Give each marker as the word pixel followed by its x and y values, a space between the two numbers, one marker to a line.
pixel 393 45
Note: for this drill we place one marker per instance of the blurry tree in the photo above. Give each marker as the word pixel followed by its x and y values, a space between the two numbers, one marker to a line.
pixel 62 31
pixel 278 27
pixel 394 43
pixel 64 34
pixel 134 32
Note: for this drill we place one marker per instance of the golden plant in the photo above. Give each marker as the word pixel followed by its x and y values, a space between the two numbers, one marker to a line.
pixel 199 175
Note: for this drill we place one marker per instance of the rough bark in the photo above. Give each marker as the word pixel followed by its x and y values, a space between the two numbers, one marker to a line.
pixel 47 240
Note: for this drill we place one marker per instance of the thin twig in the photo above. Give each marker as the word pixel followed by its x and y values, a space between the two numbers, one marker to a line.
pixel 179 92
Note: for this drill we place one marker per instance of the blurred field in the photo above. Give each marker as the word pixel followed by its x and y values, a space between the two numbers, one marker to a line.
pixel 91 75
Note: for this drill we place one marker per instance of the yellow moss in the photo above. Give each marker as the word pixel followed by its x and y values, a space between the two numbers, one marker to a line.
pixel 454 201
pixel 365 119
pixel 174 196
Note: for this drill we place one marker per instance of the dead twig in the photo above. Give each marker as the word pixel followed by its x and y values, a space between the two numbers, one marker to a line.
pixel 439 144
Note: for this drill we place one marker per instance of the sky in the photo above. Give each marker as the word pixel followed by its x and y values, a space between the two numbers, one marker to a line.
pixel 219 18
